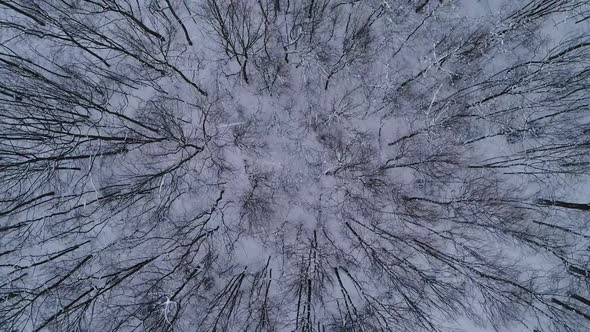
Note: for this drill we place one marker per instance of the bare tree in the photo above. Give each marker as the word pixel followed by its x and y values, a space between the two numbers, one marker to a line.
pixel 278 165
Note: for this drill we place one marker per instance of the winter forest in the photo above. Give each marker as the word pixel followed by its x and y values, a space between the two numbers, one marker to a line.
pixel 295 165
